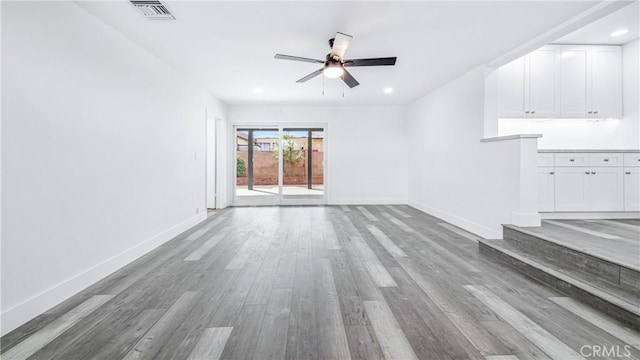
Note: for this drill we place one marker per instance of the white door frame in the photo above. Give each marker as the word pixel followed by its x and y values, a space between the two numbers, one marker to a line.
pixel 210 161
pixel 277 199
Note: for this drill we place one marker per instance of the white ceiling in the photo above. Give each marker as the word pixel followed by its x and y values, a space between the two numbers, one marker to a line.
pixel 599 31
pixel 229 46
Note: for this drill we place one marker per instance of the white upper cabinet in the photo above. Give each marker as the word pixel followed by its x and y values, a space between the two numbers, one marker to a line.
pixel 563 81
pixel 541 89
pixel 528 85
pixel 574 81
pixel 512 89
pixel 591 81
pixel 606 81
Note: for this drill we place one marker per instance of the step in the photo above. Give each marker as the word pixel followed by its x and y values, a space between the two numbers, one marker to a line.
pixel 560 253
pixel 613 300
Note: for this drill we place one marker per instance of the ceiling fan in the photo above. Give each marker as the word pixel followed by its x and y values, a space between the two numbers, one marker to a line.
pixel 335 65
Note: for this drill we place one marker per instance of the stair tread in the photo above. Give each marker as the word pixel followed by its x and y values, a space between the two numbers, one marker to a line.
pixel 559 242
pixel 624 298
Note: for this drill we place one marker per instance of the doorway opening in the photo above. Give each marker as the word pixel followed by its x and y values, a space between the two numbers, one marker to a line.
pixel 276 165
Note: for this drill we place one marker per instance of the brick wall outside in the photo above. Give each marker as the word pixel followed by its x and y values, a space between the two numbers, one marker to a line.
pixel 265 169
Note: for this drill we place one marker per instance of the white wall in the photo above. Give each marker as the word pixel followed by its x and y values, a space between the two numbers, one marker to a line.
pixel 366 148
pixel 580 134
pixel 452 174
pixel 99 145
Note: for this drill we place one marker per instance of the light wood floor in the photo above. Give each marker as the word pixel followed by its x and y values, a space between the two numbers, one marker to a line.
pixel 340 282
pixel 617 241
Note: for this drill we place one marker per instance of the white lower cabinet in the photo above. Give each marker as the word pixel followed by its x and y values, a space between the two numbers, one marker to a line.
pixel 570 189
pixel 546 189
pixel 587 181
pixel 632 189
pixel 589 189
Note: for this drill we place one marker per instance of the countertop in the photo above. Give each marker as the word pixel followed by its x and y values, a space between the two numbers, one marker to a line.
pixel 588 151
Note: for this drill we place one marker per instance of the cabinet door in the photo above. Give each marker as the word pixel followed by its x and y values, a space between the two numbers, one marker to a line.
pixel 606 81
pixel 541 89
pixel 511 79
pixel 632 189
pixel 604 189
pixel 546 189
pixel 575 81
pixel 570 189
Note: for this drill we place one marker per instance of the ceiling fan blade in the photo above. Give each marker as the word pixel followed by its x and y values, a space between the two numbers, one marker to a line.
pixel 340 44
pixel 297 58
pixel 311 76
pixel 349 79
pixel 371 62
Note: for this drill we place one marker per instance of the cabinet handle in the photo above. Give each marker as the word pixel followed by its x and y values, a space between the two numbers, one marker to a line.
pixel 590 112
pixel 553 172
pixel 572 160
pixel 606 160
pixel 593 173
pixel 527 112
pixel 628 172
pixel 533 112
pixel 586 172
pixel 595 112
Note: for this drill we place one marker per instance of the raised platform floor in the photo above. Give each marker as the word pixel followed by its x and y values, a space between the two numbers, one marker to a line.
pixel 594 261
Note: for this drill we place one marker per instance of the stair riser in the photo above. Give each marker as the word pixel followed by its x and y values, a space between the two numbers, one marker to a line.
pixel 553 252
pixel 630 319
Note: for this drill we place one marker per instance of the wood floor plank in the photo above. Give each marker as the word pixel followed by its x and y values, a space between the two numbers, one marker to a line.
pixel 45 335
pixel 377 271
pixel 622 225
pixel 532 331
pixel 447 340
pixel 147 347
pixel 272 341
pixel 582 230
pixel 244 337
pixel 302 339
pixel 469 327
pixel 329 236
pixel 208 245
pixel 398 211
pixel 459 231
pixel 384 240
pixel 613 327
pixel 211 344
pixel 392 340
pixel 366 213
pixel 363 343
pixel 399 223
pixel 205 228
pixel 332 338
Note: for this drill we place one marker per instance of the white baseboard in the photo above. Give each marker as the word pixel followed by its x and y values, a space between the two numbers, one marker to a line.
pixel 590 215
pixel 478 229
pixel 45 300
pixel 526 219
pixel 367 201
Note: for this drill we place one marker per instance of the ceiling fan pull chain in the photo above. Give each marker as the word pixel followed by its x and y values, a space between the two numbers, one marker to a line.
pixel 343 90
pixel 323 86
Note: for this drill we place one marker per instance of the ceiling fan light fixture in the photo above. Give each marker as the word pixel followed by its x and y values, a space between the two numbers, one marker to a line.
pixel 333 71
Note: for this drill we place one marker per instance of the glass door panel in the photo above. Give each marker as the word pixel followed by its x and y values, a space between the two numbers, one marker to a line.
pixel 279 166
pixel 303 166
pixel 257 166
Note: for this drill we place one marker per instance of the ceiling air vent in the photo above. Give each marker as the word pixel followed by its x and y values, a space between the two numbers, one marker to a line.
pixel 153 9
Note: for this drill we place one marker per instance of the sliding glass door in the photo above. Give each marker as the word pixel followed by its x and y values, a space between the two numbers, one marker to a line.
pixel 277 165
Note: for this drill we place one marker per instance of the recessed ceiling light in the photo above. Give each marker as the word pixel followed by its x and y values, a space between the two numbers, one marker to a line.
pixel 387 90
pixel 258 90
pixel 619 32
